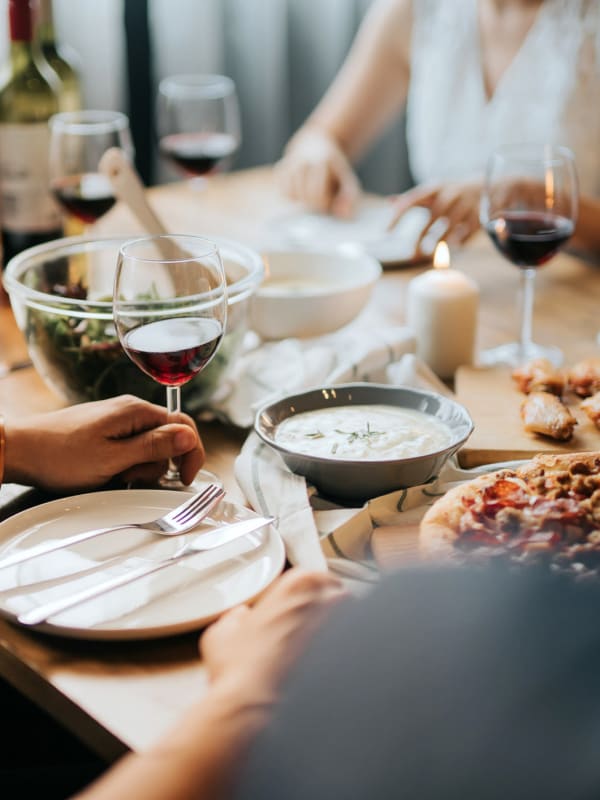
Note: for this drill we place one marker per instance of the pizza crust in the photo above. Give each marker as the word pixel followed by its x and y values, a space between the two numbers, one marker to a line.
pixel 439 527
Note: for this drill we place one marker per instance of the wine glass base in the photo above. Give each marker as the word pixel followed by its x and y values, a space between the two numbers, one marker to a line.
pixel 198 183
pixel 514 354
pixel 201 479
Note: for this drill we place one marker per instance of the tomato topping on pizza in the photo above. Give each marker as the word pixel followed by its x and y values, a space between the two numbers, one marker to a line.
pixel 549 508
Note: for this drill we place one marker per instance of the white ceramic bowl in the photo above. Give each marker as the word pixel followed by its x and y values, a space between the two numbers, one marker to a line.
pixel 310 294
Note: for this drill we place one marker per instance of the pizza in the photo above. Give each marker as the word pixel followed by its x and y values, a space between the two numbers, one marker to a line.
pixel 547 510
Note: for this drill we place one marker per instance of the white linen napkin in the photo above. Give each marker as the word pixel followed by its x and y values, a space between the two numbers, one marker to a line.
pixel 361 351
pixel 319 534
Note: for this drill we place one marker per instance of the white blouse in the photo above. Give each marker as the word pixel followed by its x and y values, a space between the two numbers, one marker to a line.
pixel 549 93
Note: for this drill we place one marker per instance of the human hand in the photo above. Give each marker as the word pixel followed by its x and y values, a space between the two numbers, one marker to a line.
pixel 455 203
pixel 255 647
pixel 88 444
pixel 315 171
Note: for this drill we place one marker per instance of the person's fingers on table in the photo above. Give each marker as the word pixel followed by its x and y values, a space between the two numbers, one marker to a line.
pixel 449 207
pixel 295 172
pixel 228 625
pixel 320 186
pixel 445 206
pixel 418 196
pixel 464 228
pixel 347 197
pixel 448 203
pixel 298 604
pixel 271 632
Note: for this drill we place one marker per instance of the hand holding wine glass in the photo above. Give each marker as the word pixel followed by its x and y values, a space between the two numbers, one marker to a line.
pixel 198 122
pixel 170 309
pixel 78 140
pixel 529 210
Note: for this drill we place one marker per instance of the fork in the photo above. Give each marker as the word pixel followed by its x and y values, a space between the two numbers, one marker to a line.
pixel 180 520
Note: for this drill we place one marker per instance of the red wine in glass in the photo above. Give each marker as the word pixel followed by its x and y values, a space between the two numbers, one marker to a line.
pixel 198 123
pixel 198 153
pixel 529 238
pixel 78 140
pixel 87 197
pixel 173 350
pixel 528 207
pixel 170 312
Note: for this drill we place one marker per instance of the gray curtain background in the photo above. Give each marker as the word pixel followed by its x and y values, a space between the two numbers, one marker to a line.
pixel 282 55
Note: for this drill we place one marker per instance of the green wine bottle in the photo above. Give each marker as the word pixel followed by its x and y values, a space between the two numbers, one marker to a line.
pixel 28 97
pixel 61 61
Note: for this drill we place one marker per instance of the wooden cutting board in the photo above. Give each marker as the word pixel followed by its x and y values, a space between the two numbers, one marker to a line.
pixel 493 402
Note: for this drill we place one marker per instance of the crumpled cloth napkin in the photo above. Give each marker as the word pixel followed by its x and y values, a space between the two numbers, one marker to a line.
pixel 320 535
pixel 359 352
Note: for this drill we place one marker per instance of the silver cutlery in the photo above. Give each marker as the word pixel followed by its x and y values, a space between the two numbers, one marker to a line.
pixel 180 520
pixel 203 542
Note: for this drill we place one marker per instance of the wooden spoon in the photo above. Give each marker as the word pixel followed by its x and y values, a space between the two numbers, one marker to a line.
pixel 128 188
pixel 126 183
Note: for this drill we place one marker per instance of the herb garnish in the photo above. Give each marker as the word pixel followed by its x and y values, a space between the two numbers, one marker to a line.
pixel 365 435
pixel 351 436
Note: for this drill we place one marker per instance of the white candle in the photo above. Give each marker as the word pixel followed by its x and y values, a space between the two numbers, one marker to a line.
pixel 441 309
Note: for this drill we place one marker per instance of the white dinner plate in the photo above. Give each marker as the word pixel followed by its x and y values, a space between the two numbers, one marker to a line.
pixel 181 598
pixel 368 228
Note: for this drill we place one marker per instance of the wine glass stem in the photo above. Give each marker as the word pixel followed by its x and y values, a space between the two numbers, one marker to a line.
pixel 527 294
pixel 173 408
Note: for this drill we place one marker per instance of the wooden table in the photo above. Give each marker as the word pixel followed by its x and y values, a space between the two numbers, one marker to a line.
pixel 116 696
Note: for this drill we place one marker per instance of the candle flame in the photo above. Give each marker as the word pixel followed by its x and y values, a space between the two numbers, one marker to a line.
pixel 441 256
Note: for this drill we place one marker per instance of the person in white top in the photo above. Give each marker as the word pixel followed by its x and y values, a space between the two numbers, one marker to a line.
pixel 474 74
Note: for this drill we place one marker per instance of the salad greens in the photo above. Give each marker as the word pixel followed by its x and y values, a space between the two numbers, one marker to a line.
pixel 81 356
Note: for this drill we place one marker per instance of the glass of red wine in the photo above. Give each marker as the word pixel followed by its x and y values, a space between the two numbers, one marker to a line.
pixel 78 140
pixel 170 310
pixel 529 210
pixel 198 122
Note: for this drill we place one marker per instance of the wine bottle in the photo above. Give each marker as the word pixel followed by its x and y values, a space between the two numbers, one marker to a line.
pixel 28 98
pixel 61 61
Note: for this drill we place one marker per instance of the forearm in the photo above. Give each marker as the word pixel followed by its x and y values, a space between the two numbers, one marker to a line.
pixel 198 759
pixel 372 84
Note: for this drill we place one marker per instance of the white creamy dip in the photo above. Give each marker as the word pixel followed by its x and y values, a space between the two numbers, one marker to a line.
pixel 363 432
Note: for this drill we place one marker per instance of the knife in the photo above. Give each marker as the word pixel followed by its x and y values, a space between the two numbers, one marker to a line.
pixel 199 544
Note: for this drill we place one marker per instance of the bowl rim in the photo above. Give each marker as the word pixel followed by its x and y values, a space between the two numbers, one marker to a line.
pixel 327 288
pixel 349 463
pixel 70 245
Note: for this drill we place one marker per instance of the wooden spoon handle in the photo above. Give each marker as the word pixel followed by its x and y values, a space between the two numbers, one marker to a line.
pixel 115 165
pixel 128 187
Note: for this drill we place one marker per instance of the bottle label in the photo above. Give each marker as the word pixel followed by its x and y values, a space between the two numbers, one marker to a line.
pixel 27 204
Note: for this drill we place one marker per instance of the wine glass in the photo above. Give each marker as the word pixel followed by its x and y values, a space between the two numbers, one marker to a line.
pixel 170 309
pixel 529 209
pixel 78 140
pixel 198 123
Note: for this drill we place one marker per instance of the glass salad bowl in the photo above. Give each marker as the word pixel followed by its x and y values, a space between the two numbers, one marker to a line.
pixel 61 295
